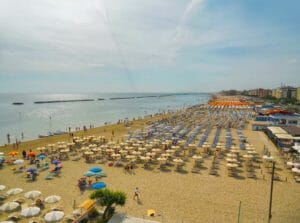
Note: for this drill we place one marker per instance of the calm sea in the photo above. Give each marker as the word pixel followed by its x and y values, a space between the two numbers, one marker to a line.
pixel 34 119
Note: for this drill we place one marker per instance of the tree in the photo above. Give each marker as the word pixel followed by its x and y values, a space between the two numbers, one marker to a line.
pixel 109 199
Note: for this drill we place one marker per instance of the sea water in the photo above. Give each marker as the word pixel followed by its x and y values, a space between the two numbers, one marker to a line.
pixel 34 119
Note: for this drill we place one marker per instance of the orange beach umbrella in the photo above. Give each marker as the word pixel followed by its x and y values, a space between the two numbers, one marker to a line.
pixel 31 154
pixel 13 153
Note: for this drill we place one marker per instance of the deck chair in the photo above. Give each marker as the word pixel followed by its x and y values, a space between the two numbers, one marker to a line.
pixel 49 177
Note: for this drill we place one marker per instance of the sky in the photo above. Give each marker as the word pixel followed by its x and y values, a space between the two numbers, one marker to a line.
pixel 148 46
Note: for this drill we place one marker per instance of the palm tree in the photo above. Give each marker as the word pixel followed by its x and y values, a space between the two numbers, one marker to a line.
pixel 109 199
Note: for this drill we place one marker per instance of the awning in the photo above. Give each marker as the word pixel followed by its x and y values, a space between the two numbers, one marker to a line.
pixel 277 130
pixel 88 204
pixel 284 136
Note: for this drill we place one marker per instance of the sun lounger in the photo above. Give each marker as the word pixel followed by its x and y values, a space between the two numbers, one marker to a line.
pixel 213 172
pixel 251 175
pixel 76 158
pixel 50 176
pixel 195 170
pixel 44 167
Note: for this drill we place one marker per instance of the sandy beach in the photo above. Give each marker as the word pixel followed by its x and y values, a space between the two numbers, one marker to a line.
pixel 176 197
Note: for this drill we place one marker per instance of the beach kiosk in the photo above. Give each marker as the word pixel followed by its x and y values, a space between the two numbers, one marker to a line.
pixel 83 211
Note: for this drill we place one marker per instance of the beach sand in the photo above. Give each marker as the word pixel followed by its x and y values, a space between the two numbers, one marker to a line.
pixel 176 197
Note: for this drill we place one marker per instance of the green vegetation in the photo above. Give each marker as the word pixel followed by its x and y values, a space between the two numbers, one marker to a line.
pixel 290 104
pixel 108 199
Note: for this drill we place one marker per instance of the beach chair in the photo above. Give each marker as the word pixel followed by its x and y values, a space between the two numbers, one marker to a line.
pixel 118 164
pixel 277 177
pixel 213 172
pixel 76 158
pixel 251 175
pixel 44 167
pixel 163 167
pixel 195 170
pixel 49 176
pixel 2 197
pixel 14 218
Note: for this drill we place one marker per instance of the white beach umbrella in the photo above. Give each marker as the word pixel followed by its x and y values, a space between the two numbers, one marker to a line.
pixel 232 165
pixel 145 158
pixel 32 194
pixel 18 162
pixel 196 157
pixel 88 153
pixel 14 191
pixel 177 160
pixel 2 187
pixel 52 199
pixel 247 156
pixel 54 216
pixel 31 211
pixel 10 206
pixel 296 170
pixel 162 159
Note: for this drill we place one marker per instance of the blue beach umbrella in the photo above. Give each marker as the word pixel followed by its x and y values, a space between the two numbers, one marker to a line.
pixel 100 174
pixel 56 162
pixel 95 169
pixel 89 174
pixel 98 185
pixel 31 170
pixel 42 156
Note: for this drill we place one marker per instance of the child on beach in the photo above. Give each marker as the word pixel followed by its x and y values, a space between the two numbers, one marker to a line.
pixel 136 194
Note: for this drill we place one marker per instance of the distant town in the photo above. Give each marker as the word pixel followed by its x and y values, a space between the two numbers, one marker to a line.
pixel 287 97
pixel 283 94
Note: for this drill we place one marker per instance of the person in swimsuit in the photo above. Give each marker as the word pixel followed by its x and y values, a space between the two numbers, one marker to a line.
pixel 136 194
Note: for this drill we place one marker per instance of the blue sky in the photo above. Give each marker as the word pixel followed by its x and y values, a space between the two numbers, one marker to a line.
pixel 148 46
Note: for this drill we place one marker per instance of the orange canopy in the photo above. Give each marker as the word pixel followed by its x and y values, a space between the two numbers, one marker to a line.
pixel 32 154
pixel 13 153
pixel 228 103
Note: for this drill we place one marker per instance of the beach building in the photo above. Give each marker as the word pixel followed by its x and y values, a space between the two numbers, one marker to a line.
pixel 260 92
pixel 260 125
pixel 284 137
pixel 284 120
pixel 298 94
pixel 288 92
pixel 276 93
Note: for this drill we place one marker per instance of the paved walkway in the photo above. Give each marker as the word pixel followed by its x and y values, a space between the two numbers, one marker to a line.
pixel 118 218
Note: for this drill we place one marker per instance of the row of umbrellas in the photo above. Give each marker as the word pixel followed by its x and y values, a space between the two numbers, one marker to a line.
pixel 33 194
pixel 52 216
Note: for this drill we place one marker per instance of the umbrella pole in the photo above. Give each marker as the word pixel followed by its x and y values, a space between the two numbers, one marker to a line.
pixel 239 214
pixel 271 193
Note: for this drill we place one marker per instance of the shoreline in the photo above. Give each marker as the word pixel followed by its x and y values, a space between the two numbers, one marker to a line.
pixel 22 125
pixel 102 129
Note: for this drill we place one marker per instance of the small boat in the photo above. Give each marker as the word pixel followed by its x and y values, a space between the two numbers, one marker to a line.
pixel 18 103
pixel 47 135
pixel 59 132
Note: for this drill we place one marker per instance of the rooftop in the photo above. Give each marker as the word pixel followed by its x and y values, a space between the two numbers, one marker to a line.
pixel 293 130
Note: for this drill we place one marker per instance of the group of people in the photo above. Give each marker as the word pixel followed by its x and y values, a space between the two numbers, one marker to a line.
pixel 83 183
pixel 129 168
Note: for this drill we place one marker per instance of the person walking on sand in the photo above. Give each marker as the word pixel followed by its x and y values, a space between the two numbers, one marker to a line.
pixel 136 195
pixel 8 138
